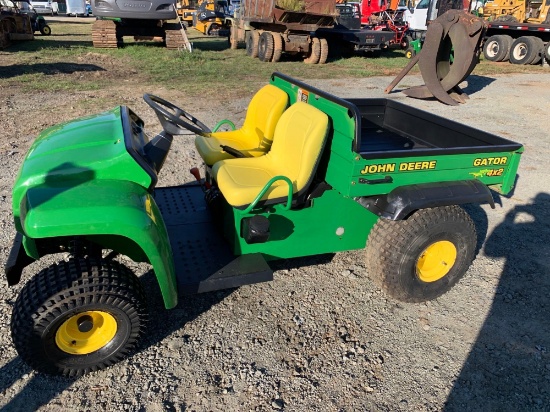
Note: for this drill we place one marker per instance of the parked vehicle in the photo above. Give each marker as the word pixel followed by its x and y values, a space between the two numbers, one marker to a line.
pixel 77 8
pixel 45 7
pixel 329 175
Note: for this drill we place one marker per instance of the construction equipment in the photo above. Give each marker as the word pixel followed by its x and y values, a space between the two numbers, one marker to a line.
pixel 269 30
pixel 517 31
pixel 14 24
pixel 454 30
pixel 339 175
pixel 518 11
pixel 209 19
pixel 142 20
pixel 186 9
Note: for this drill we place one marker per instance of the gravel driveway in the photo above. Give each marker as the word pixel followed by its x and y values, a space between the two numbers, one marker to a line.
pixel 322 336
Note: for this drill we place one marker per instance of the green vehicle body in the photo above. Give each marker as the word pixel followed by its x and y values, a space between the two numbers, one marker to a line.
pixel 86 179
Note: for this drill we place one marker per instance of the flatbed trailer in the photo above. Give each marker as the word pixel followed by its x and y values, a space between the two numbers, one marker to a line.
pixel 519 43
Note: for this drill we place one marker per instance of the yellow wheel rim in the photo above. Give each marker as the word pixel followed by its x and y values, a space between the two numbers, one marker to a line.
pixel 86 332
pixel 408 55
pixel 436 261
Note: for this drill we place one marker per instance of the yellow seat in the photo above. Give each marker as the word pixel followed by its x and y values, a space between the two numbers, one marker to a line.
pixel 297 146
pixel 254 138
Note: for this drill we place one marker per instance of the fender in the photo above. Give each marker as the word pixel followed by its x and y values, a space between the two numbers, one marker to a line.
pixel 402 201
pixel 119 208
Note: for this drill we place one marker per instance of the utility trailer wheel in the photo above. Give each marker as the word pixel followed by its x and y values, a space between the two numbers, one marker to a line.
pixel 421 258
pixel 78 316
pixel 314 52
pixel 497 48
pixel 265 46
pixel 324 50
pixel 277 47
pixel 252 40
pixel 525 50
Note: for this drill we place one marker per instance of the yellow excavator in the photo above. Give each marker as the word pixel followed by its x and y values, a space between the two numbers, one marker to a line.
pixel 522 11
pixel 209 18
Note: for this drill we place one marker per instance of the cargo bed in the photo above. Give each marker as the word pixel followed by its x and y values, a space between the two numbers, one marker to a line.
pixel 391 129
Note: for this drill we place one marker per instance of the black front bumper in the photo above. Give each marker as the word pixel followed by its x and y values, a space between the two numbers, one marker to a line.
pixel 17 261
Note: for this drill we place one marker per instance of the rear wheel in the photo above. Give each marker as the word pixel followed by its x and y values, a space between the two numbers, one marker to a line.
pixel 525 50
pixel 421 258
pixel 547 52
pixel 497 48
pixel 252 40
pixel 233 37
pixel 277 47
pixel 78 316
pixel 410 53
pixel 265 46
pixel 324 51
pixel 314 52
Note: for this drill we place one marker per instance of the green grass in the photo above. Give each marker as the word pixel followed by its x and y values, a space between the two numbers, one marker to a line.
pixel 66 60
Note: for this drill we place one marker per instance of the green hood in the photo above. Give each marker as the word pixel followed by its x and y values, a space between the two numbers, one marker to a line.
pixel 79 151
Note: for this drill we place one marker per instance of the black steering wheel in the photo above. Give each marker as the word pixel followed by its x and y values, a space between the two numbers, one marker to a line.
pixel 173 119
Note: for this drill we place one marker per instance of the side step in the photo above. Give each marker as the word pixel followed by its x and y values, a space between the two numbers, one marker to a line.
pixel 243 270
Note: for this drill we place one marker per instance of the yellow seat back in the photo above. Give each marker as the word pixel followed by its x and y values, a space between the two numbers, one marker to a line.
pixel 263 113
pixel 297 145
pixel 254 138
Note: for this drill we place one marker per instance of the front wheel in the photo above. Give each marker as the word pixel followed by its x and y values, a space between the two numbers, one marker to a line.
pixel 423 257
pixel 78 316
pixel 45 30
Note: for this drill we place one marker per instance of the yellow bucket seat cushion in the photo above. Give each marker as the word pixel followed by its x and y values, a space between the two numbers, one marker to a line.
pixel 297 144
pixel 254 138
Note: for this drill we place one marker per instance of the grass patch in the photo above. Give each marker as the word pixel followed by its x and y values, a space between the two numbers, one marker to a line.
pixel 66 60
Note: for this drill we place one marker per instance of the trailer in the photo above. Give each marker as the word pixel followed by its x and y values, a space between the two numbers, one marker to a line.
pixel 268 31
pixel 518 43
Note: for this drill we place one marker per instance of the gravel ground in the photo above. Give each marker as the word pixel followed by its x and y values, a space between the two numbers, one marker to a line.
pixel 322 336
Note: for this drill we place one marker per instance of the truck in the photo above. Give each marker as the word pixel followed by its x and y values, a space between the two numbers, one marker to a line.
pixel 269 30
pixel 329 175
pixel 518 31
pixel 137 18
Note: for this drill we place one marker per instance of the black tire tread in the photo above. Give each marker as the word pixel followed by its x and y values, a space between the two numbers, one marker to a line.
pixel 388 237
pixel 69 285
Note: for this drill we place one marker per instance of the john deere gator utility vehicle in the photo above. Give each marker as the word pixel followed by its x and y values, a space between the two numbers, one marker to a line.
pixel 307 173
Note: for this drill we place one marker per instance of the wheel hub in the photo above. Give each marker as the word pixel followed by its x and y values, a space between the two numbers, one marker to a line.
pixel 436 261
pixel 86 332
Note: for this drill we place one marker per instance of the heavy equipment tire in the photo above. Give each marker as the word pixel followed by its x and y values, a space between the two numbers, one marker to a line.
pixel 314 52
pixel 497 48
pixel 324 51
pixel 265 46
pixel 252 40
pixel 538 45
pixel 506 18
pixel 277 47
pixel 524 50
pixel 421 258
pixel 79 316
pixel 547 52
pixel 234 37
